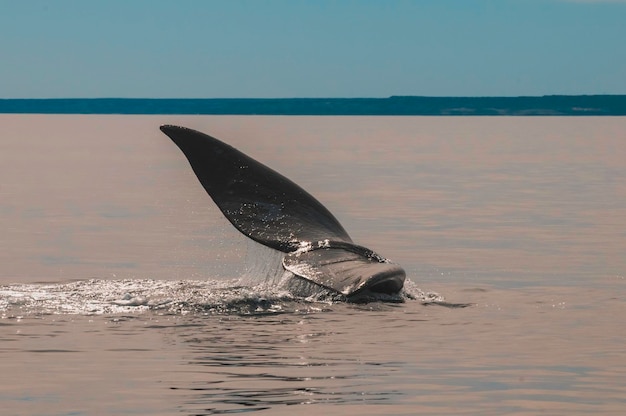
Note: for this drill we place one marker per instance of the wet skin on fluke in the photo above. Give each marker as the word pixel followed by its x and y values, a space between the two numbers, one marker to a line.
pixel 272 210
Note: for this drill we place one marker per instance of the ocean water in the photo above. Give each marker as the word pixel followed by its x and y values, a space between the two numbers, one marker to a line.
pixel 124 291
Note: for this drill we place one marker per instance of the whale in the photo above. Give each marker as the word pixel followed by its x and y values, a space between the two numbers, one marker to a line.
pixel 272 210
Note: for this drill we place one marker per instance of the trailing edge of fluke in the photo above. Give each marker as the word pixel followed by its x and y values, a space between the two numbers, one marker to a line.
pixel 274 211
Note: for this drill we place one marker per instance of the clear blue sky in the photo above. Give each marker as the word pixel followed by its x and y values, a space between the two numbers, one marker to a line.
pixel 316 48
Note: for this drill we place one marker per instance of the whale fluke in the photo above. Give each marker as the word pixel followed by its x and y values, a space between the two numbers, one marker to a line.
pixel 274 211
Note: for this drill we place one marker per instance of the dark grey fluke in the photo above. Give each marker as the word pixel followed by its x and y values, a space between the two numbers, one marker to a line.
pixel 274 211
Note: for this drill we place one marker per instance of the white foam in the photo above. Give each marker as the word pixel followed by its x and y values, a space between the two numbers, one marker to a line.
pixel 265 287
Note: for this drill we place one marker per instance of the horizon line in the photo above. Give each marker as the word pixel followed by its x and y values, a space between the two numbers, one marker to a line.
pixel 395 96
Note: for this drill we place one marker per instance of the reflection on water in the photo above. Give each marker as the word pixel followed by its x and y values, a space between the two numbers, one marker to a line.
pixel 294 359
pixel 522 218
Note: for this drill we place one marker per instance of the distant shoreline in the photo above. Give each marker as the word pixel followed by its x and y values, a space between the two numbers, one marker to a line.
pixel 548 105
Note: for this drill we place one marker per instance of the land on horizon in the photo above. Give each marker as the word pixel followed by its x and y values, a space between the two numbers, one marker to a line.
pixel 548 105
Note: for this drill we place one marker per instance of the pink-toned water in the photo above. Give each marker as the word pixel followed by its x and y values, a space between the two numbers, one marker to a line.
pixel 101 220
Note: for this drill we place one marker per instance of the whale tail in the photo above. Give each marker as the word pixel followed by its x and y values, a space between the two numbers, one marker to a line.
pixel 272 210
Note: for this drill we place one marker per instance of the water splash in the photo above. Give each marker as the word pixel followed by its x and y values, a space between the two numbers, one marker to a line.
pixel 264 288
pixel 264 266
pixel 180 297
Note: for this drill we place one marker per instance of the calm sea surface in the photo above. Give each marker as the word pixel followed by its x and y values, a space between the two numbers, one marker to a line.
pixel 124 291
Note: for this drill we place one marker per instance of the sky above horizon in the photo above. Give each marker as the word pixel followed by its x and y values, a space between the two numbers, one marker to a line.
pixel 321 48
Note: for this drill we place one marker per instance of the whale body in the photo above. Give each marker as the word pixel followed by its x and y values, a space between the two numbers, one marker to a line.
pixel 272 210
